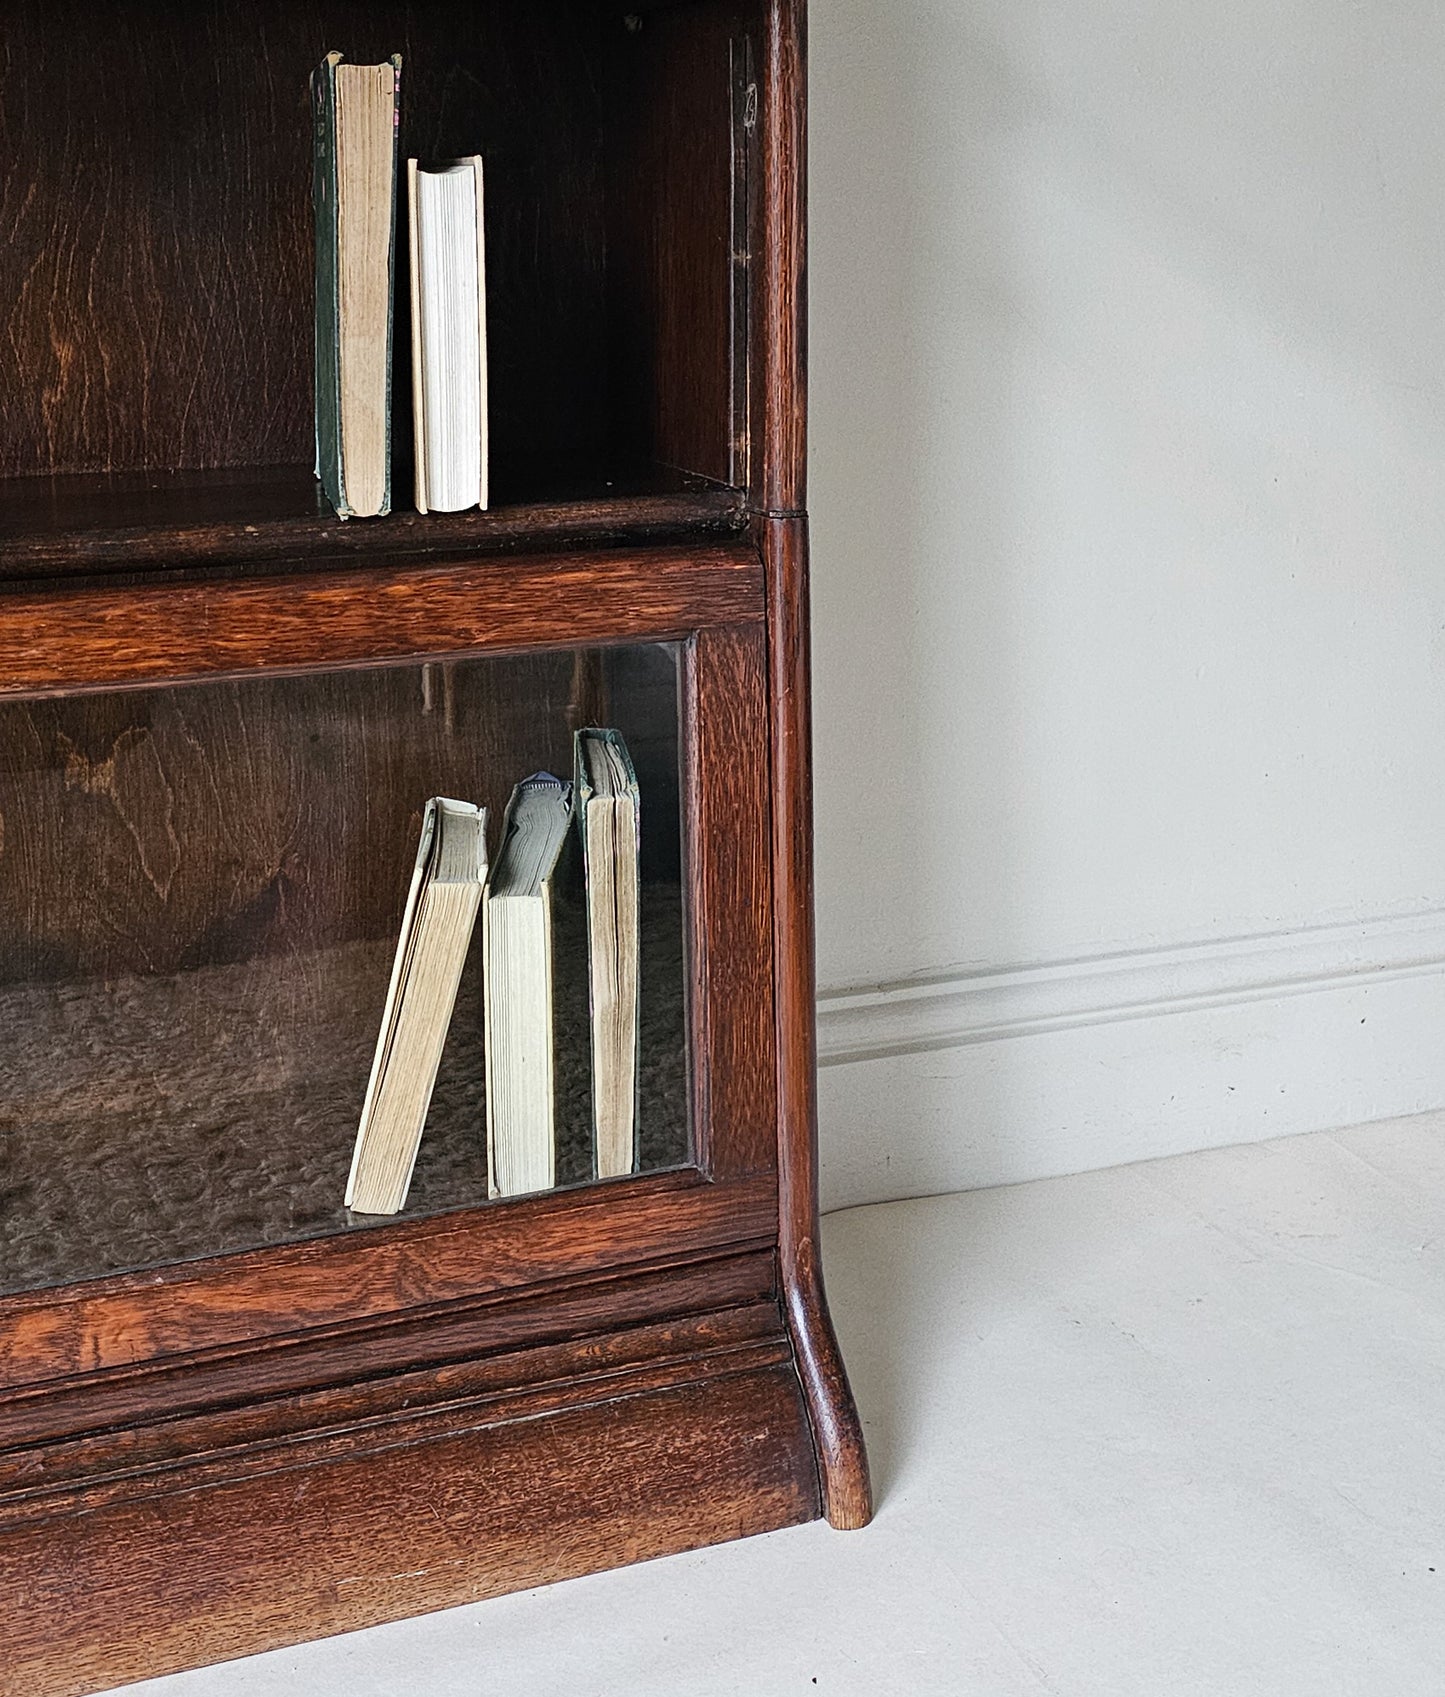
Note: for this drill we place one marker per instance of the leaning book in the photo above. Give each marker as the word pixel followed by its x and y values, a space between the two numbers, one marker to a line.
pixel 441 913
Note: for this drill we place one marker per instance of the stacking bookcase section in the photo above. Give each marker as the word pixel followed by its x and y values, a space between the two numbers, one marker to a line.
pixel 234 1413
pixel 167 380
pixel 192 992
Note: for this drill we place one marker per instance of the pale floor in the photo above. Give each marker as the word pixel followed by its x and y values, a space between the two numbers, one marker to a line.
pixel 1176 1428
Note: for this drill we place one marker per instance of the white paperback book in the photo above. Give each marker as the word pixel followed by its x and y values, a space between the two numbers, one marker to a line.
pixel 519 984
pixel 448 335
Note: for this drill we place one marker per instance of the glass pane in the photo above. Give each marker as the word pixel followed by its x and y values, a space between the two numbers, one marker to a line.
pixel 201 889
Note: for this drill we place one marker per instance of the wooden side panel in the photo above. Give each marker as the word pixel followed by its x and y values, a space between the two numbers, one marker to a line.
pixel 731 928
pixel 777 492
pixel 181 1577
pixel 779 342
pixel 842 1459
pixel 677 284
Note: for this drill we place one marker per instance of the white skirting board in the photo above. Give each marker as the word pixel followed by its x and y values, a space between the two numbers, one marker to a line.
pixel 994 1077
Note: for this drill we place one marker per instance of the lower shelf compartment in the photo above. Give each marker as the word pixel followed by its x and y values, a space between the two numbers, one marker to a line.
pixel 613 1447
pixel 224 1113
pixel 204 885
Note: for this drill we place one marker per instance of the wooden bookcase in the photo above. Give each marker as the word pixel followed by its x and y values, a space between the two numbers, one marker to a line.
pixel 231 1417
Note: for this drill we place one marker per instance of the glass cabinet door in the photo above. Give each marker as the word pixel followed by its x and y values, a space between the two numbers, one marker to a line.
pixel 201 887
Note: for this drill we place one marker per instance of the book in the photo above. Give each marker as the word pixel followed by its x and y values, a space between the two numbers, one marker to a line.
pixel 448 335
pixel 436 928
pixel 608 822
pixel 518 989
pixel 357 113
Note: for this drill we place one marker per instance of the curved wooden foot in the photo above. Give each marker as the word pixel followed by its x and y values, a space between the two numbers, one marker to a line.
pixel 837 1431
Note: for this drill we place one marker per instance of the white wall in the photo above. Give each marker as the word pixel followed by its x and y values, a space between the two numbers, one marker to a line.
pixel 1128 448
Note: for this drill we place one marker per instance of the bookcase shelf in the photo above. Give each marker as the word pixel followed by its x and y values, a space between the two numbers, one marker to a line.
pixel 264 518
pixel 231 1415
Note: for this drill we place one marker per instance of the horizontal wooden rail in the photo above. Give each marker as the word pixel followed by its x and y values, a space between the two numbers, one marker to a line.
pixel 63 641
pixel 385 1270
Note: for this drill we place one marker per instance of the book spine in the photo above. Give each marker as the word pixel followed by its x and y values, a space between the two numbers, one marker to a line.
pixel 328 304
pixel 489 1045
pixel 601 960
pixel 484 445
pixel 395 62
pixel 418 402
pixel 549 959
pixel 636 797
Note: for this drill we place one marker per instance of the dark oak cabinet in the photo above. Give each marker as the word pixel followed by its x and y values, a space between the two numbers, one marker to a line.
pixel 231 1414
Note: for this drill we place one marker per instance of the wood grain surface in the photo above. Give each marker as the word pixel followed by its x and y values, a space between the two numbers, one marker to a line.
pixel 251 519
pixel 60 641
pixel 155 205
pixel 153 1395
pixel 837 1430
pixel 677 279
pixel 167 830
pixel 396 1269
pixel 322 1534
pixel 162 831
pixel 730 916
pixel 780 302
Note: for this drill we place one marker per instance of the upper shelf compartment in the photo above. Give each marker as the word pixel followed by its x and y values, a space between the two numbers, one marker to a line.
pixel 156 286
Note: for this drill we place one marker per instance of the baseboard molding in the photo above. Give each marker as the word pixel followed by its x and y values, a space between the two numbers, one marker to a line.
pixel 996 1076
pixel 982 1007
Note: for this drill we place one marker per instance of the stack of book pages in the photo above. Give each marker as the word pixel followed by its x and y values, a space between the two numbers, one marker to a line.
pixel 357 120
pixel 441 910
pixel 544 944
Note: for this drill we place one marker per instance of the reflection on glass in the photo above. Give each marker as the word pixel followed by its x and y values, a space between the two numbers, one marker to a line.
pixel 201 890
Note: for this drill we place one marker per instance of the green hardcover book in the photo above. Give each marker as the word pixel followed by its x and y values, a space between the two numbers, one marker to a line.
pixel 609 825
pixel 357 114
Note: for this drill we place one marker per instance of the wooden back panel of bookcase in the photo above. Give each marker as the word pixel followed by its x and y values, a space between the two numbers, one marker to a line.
pixel 215 1457
pixel 155 281
pixel 156 178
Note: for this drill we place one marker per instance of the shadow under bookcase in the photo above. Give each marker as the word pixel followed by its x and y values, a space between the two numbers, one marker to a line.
pixel 203 886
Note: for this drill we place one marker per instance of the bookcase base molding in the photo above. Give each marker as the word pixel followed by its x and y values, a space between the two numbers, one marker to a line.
pixel 193 1538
